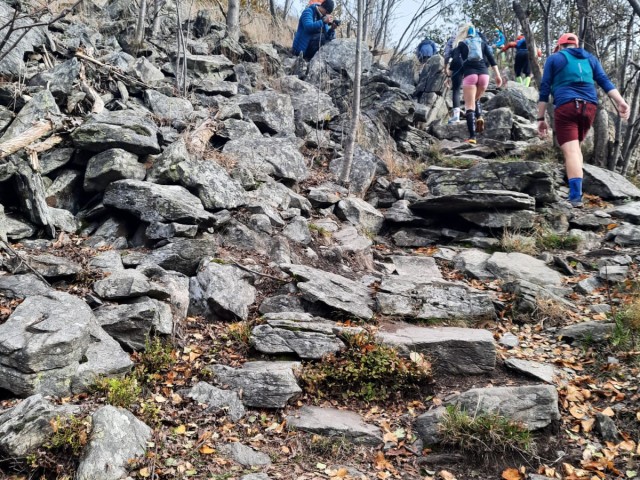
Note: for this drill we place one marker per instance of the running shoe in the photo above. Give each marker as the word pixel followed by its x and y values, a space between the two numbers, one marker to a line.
pixel 472 141
pixel 479 124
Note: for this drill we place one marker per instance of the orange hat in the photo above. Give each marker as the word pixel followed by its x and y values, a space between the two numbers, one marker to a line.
pixel 565 39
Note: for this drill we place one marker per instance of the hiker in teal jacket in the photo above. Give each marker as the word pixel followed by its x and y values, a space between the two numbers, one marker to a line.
pixel 315 28
pixel 571 75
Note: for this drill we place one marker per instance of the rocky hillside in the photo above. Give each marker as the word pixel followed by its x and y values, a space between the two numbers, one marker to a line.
pixel 186 292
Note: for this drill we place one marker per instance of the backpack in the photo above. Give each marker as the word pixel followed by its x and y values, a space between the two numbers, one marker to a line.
pixel 577 70
pixel 475 48
pixel 425 50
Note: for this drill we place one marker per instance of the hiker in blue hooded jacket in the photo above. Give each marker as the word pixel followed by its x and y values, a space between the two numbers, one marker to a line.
pixel 315 28
pixel 571 75
pixel 427 49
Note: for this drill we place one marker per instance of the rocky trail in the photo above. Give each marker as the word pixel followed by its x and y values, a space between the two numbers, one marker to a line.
pixel 187 292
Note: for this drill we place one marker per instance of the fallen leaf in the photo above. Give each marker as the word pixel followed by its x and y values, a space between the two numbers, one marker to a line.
pixel 608 412
pixel 587 425
pixel 446 475
pixel 206 450
pixel 180 429
pixel 144 472
pixel 512 474
pixel 577 411
pixel 380 462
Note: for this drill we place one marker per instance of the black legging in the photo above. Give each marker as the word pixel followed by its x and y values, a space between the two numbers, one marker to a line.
pixel 456 84
pixel 522 66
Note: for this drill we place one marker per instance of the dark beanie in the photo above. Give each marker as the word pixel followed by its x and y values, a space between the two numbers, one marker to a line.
pixel 328 5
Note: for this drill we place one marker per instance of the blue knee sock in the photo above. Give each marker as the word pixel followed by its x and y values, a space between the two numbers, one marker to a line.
pixel 575 189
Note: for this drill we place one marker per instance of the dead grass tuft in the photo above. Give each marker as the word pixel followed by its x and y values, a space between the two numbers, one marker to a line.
pixel 516 242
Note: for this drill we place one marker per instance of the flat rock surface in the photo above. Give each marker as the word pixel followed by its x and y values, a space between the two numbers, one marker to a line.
pixel 519 266
pixel 538 370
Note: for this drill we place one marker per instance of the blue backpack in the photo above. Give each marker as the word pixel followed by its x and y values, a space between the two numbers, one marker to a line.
pixel 426 50
pixel 475 48
pixel 577 70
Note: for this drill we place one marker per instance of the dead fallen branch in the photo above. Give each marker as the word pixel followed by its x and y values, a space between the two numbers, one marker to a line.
pixel 26 138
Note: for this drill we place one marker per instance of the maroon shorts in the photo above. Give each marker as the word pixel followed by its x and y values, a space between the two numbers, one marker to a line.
pixel 573 121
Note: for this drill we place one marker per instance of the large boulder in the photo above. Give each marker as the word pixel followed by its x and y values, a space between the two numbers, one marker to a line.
pixel 473 201
pixel 384 100
pixel 116 438
pixel 125 129
pixel 332 291
pixel 52 344
pixel 264 157
pixel 168 108
pixel 182 254
pixel 110 166
pixel 521 100
pixel 272 112
pixel 533 178
pixel 263 384
pixel 337 57
pixel 151 202
pixel 220 290
pixel 41 106
pixel 212 67
pixel 499 124
pixel 217 400
pixel 520 266
pixel 607 184
pixel 364 167
pixel 310 105
pixel 629 212
pixel 360 214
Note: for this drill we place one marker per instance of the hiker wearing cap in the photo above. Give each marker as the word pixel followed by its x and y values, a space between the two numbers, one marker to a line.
pixel 475 54
pixel 453 70
pixel 315 28
pixel 499 40
pixel 521 65
pixel 570 75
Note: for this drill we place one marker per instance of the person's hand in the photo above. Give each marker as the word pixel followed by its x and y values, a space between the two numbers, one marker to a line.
pixel 623 109
pixel 498 81
pixel 543 128
pixel 447 82
pixel 328 19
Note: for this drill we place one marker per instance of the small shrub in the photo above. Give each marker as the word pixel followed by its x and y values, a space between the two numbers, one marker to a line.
pixel 330 447
pixel 321 230
pixel 515 242
pixel 157 355
pixel 456 162
pixel 240 332
pixel 555 241
pixel 365 370
pixel 70 435
pixel 626 332
pixel 120 392
pixel 544 152
pixel 150 412
pixel 483 433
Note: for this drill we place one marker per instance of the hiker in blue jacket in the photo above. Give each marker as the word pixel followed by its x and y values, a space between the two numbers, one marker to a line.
pixel 570 75
pixel 315 28
pixel 427 49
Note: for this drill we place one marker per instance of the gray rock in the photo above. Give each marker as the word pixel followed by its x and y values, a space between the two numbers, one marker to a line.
pixel 125 129
pixel 532 178
pixel 220 290
pixel 245 455
pixel 47 265
pixel 264 157
pixel 218 400
pixel 165 231
pixel 509 340
pixel 212 67
pixel 163 169
pixel 310 105
pixel 625 235
pixel 520 220
pixel 433 300
pixel 457 351
pixel 613 273
pixel 337 57
pixel 59 80
pixel 63 220
pixel 473 201
pixel 109 166
pixel 51 344
pixel 416 237
pixel 331 422
pixel 536 406
pixel 538 370
pixel 473 263
pixel 26 427
pixel 132 324
pixel 522 101
pixel 22 286
pixel 64 191
pixel 24 39
pixel 587 331
pixel 424 268
pixel 499 124
pixel 360 214
pixel 172 287
pixel 117 437
pixel 41 106
pixel 280 303
pixel 334 291
pixel 350 241
pixel 107 261
pixel 629 212
pixel 607 184
pixel 215 188
pixel 156 203
pixel 298 231
pixel 607 429
pixel 241 237
pixel 168 108
pixel 300 333
pixel 363 170
pixel 123 284
pixel 263 384
pixel 147 72
pixel 215 87
pixel 233 129
pixel 256 476
pixel 519 266
pixel 427 426
pixel 272 112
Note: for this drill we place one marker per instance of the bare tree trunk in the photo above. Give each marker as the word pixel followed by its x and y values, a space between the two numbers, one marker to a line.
pixel 635 4
pixel 630 139
pixel 287 7
pixel 157 7
pixel 355 115
pixel 545 7
pixel 272 8
pixel 142 15
pixel 617 144
pixel 233 20
pixel 600 138
pixel 531 41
